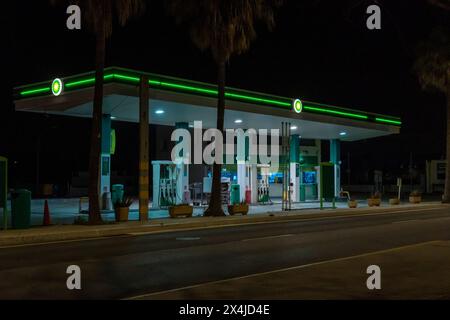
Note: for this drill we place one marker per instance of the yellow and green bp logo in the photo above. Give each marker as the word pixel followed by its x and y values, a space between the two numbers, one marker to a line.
pixel 57 87
pixel 298 106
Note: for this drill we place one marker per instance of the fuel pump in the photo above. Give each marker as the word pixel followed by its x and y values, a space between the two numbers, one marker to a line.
pixel 170 184
pixel 263 186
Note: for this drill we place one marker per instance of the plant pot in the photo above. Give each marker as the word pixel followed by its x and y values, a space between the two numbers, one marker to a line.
pixel 238 209
pixel 415 199
pixel 374 202
pixel 181 211
pixel 122 214
pixel 353 204
pixel 394 202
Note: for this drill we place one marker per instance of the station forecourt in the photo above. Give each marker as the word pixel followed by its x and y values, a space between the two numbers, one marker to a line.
pixel 146 98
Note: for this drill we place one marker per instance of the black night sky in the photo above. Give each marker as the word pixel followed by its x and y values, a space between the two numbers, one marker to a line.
pixel 320 50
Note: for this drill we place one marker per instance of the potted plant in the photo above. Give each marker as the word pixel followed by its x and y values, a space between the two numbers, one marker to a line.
pixel 240 208
pixel 352 203
pixel 122 209
pixel 374 200
pixel 181 210
pixel 415 197
pixel 394 201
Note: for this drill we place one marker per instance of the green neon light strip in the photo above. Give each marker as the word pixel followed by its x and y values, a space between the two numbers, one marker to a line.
pixel 276 102
pixel 73 84
pixel 88 81
pixel 35 91
pixel 388 121
pixel 215 93
pixel 183 87
pixel 340 113
pixel 80 83
pixel 91 81
pixel 212 92
pixel 127 78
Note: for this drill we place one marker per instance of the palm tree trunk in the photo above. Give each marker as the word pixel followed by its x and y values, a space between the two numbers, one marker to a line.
pixel 94 159
pixel 215 203
pixel 446 197
pixel 143 149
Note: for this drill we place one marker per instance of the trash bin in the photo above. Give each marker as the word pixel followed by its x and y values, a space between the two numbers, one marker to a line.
pixel 235 197
pixel 20 209
pixel 117 193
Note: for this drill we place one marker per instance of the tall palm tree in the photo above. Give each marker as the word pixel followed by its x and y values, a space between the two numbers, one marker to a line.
pixel 433 69
pixel 226 28
pixel 99 15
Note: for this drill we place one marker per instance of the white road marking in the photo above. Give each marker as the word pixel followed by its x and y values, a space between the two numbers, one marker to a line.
pixel 406 221
pixel 269 237
pixel 187 239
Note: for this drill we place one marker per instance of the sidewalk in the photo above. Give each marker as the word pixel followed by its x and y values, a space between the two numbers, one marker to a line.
pixel 66 211
pixel 77 232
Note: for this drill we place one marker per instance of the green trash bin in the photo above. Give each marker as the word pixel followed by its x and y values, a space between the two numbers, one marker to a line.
pixel 117 193
pixel 235 196
pixel 20 209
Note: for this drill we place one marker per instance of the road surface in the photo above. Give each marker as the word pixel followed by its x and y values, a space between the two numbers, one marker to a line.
pixel 140 265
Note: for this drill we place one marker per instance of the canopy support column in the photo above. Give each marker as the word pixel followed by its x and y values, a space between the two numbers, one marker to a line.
pixel 144 125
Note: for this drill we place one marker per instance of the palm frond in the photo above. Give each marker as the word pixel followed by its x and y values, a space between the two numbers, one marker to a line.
pixel 433 61
pixel 225 27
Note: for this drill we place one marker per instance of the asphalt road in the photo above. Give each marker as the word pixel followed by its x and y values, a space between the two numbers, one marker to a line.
pixel 133 265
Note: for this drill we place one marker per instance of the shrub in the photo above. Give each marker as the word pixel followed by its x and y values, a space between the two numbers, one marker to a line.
pixel 375 195
pixel 126 202
pixel 415 193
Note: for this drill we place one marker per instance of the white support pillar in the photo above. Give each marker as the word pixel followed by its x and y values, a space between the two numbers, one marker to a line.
pixel 241 167
pixel 295 190
pixel 254 183
pixel 105 163
pixel 294 164
pixel 182 171
pixel 242 179
pixel 182 182
pixel 335 158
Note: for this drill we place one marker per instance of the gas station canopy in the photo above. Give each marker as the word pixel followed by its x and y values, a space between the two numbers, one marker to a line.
pixel 175 100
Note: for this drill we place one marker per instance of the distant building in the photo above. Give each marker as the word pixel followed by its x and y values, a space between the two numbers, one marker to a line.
pixel 435 170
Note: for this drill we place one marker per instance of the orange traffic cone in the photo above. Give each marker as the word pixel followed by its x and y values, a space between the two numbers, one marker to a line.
pixel 46 214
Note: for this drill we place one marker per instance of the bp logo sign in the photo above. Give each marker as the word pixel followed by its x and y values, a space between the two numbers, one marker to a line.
pixel 298 106
pixel 57 87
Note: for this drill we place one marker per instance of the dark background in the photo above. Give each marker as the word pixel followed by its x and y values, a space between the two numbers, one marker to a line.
pixel 319 50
